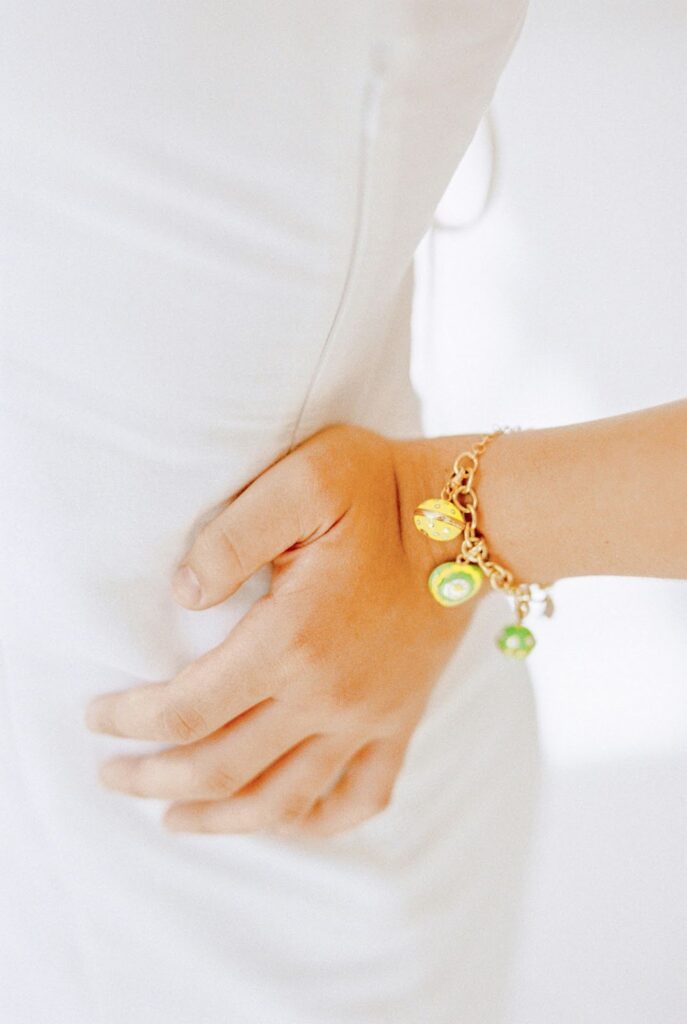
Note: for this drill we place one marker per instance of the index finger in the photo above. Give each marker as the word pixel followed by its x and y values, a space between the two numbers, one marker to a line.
pixel 211 691
pixel 283 507
pixel 270 515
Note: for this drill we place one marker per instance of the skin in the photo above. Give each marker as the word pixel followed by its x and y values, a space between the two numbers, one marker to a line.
pixel 298 722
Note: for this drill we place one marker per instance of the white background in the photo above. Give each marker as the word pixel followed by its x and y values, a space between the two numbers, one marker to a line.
pixel 566 301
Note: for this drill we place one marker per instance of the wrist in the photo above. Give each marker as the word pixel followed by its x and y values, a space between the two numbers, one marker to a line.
pixel 462 563
pixel 517 485
pixel 518 488
pixel 423 465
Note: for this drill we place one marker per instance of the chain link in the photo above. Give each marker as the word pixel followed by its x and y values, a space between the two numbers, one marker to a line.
pixel 460 490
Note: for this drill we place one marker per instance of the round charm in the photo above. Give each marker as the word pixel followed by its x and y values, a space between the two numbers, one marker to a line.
pixel 452 583
pixel 439 519
pixel 515 641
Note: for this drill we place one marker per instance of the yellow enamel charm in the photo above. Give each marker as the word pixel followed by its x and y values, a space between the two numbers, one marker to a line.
pixel 451 583
pixel 439 519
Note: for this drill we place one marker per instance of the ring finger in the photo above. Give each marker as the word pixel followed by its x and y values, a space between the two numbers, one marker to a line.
pixel 278 798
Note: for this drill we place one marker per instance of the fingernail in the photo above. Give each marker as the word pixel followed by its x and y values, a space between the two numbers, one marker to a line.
pixel 186 585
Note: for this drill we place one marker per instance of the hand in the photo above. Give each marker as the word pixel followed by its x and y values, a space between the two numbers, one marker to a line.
pixel 299 720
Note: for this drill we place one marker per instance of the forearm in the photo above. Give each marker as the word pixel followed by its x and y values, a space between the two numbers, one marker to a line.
pixel 607 497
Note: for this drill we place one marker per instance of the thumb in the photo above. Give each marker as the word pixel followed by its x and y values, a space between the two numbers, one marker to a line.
pixel 278 509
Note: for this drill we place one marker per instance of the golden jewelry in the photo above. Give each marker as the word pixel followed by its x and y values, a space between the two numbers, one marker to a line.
pixel 451 583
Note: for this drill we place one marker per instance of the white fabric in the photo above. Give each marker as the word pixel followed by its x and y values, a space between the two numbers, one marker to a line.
pixel 208 218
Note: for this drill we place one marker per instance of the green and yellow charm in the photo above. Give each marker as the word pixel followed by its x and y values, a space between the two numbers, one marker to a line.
pixel 452 583
pixel 515 641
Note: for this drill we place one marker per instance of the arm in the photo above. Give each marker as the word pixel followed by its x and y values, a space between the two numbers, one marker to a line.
pixel 301 717
pixel 603 498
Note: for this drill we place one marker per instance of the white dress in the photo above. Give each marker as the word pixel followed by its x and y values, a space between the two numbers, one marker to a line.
pixel 208 216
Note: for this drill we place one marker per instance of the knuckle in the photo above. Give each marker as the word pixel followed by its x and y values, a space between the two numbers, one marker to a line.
pixel 181 723
pixel 138 776
pixel 292 808
pixel 344 700
pixel 322 449
pixel 336 827
pixel 377 803
pixel 307 651
pixel 368 807
pixel 312 463
pixel 217 543
pixel 220 781
pixel 231 548
pixel 317 473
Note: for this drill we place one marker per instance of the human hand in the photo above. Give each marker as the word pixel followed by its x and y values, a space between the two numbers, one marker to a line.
pixel 299 720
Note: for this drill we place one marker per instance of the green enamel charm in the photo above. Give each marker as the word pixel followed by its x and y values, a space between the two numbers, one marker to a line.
pixel 451 583
pixel 515 641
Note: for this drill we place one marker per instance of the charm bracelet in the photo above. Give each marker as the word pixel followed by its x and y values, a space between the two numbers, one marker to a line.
pixel 452 583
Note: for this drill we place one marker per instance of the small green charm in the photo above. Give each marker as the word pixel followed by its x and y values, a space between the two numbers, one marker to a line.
pixel 515 641
pixel 451 583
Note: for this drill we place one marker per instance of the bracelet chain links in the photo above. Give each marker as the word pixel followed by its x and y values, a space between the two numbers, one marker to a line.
pixel 460 490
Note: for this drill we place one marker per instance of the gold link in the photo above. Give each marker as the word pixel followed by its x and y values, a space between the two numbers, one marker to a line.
pixel 460 490
pixel 474 549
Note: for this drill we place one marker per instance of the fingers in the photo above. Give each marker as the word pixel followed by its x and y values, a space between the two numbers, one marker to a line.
pixel 279 797
pixel 364 790
pixel 281 507
pixel 216 766
pixel 220 685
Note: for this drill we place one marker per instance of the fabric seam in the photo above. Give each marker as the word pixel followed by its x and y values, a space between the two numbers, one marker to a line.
pixel 370 111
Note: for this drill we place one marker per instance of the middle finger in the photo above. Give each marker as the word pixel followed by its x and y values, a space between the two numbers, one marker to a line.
pixel 216 766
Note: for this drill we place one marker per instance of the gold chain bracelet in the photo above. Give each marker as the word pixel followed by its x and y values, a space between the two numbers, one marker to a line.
pixel 452 583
